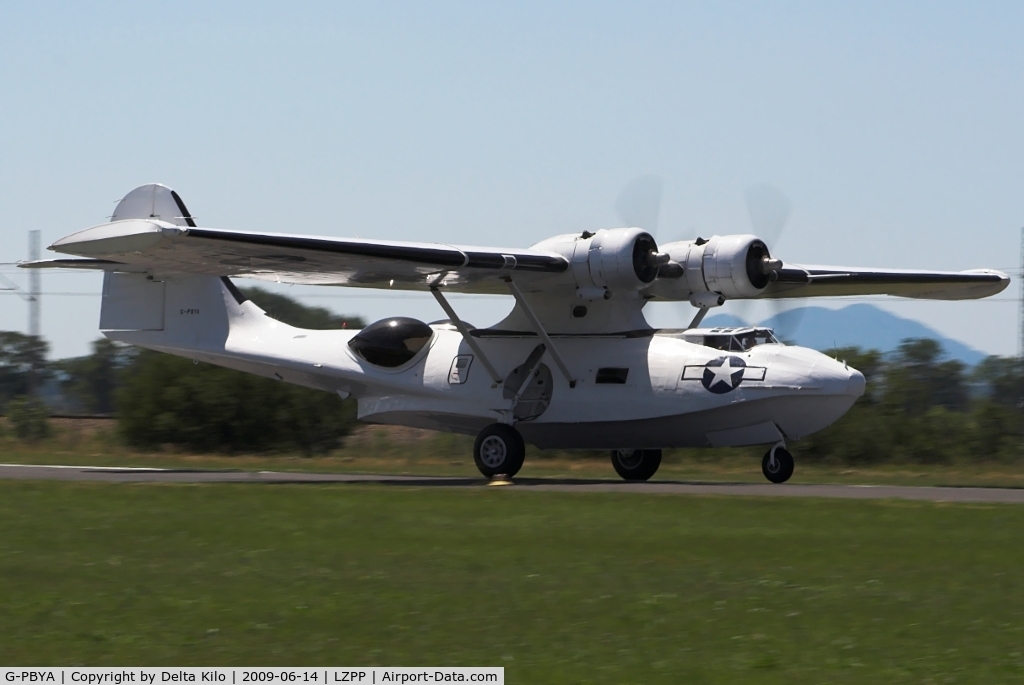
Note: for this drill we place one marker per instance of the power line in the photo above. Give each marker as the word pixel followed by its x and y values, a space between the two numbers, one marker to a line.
pixel 21 293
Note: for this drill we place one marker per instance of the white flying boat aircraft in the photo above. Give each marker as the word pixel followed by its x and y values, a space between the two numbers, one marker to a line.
pixel 575 365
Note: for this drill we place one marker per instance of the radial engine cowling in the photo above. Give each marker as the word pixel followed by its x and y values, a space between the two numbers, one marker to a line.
pixel 733 265
pixel 622 259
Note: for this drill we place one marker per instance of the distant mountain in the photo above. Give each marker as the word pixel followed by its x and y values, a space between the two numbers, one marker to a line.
pixel 859 325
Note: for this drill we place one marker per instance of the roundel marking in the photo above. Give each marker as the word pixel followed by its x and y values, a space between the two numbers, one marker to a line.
pixel 723 374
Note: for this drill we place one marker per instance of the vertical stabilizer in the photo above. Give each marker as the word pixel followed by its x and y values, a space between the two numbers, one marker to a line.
pixel 178 313
pixel 132 302
pixel 153 201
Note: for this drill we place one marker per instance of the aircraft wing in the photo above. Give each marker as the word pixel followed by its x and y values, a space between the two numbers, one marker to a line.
pixel 161 247
pixel 835 281
pixel 152 231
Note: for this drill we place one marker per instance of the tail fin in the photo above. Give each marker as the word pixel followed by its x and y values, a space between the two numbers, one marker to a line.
pixel 153 201
pixel 176 313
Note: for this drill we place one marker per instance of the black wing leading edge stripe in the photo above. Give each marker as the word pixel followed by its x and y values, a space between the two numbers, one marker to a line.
pixel 792 276
pixel 826 277
pixel 835 276
pixel 522 262
pixel 419 255
pixel 433 256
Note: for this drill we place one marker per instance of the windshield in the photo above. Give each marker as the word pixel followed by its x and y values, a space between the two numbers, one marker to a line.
pixel 741 342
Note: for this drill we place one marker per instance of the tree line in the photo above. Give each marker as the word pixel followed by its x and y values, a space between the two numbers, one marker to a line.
pixel 917 407
pixel 160 399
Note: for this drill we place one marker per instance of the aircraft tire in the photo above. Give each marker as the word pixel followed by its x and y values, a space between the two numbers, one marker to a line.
pixel 499 449
pixel 636 464
pixel 782 469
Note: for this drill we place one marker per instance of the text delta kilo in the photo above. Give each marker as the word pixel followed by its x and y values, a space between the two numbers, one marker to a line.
pixel 184 677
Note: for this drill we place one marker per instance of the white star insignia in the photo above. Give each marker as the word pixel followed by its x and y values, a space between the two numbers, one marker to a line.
pixel 723 373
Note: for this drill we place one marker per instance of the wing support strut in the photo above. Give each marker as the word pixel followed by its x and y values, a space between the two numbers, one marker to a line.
pixel 701 313
pixel 521 301
pixel 464 330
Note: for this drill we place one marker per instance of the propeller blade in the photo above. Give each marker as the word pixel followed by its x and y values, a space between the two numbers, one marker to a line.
pixel 639 203
pixel 769 211
pixel 785 322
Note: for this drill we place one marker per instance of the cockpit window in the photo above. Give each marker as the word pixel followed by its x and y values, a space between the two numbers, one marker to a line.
pixel 391 342
pixel 719 342
pixel 760 336
pixel 740 341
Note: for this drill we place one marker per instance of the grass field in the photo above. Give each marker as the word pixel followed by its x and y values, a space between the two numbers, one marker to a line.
pixel 390 449
pixel 556 587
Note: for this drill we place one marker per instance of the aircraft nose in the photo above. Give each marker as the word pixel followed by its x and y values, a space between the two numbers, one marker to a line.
pixel 855 384
pixel 829 388
pixel 838 378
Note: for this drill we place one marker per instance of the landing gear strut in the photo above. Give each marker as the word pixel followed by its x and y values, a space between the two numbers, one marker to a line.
pixel 777 464
pixel 499 449
pixel 636 464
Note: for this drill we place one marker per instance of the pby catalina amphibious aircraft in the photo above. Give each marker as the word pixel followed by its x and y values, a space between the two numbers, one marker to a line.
pixel 574 365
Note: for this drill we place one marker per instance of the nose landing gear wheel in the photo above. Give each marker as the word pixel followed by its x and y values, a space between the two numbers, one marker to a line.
pixel 636 464
pixel 499 449
pixel 777 465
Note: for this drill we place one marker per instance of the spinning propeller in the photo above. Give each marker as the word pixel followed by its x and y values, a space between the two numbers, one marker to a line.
pixel 769 211
pixel 639 204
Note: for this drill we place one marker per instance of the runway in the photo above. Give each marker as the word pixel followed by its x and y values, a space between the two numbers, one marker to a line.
pixel 145 475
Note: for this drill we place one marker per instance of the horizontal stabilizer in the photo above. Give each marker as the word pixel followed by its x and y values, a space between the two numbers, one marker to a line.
pixel 71 263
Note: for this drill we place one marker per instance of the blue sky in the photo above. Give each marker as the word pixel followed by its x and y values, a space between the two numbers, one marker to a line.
pixel 894 128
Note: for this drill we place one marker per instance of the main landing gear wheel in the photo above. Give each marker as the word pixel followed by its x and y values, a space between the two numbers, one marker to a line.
pixel 499 449
pixel 636 464
pixel 777 464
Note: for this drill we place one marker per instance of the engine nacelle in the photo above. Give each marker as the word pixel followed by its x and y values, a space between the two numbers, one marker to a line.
pixel 620 259
pixel 733 265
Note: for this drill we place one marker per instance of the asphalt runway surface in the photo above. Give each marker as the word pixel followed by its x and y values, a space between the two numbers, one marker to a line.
pixel 142 475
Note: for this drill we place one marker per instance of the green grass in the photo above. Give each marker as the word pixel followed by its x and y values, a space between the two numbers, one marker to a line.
pixel 556 587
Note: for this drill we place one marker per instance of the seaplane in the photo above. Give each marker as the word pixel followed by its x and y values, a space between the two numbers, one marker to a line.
pixel 574 365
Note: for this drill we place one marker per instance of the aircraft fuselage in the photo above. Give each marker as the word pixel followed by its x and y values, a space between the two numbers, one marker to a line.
pixel 648 391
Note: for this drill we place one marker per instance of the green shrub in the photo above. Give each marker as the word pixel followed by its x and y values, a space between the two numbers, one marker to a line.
pixel 29 418
pixel 169 400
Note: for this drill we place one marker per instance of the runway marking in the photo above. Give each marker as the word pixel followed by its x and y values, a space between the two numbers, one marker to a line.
pixel 135 474
pixel 87 468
